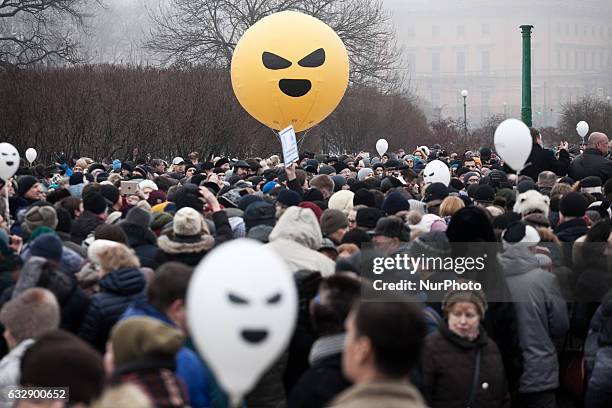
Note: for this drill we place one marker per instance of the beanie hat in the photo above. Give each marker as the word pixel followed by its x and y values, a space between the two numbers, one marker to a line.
pixel 393 227
pixel 160 220
pixel 64 220
pixel 156 197
pixel 342 200
pixel 259 213
pixel 431 244
pixel 61 359
pixel 147 184
pixel 532 202
pixel 25 183
pixel 110 193
pixel 288 198
pixel 315 208
pixel 518 232
pixel 484 194
pixel 339 182
pixel 394 203
pixel 141 338
pixel 456 184
pixel 138 216
pixel 527 185
pixel 333 220
pixel 39 215
pixel 313 194
pixel 94 202
pixel 248 199
pixel 327 170
pixel 363 173
pixel 476 297
pixel 47 246
pixel 368 217
pixel 116 164
pixel 436 191
pixel 591 185
pixel 189 222
pixel 364 197
pixel 76 178
pixel 573 204
pixel 269 186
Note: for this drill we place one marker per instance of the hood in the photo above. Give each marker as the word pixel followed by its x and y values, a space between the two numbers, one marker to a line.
pixel 125 281
pixel 138 235
pixel 299 225
pixel 517 260
pixel 170 246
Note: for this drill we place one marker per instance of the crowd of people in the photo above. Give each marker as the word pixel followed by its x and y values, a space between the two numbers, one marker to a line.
pixel 96 259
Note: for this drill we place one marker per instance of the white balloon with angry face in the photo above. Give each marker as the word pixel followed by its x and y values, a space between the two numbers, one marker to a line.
pixel 9 161
pixel 241 309
pixel 436 171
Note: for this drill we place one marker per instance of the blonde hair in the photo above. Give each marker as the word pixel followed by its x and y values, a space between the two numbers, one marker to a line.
pixel 117 257
pixel 450 205
pixel 560 189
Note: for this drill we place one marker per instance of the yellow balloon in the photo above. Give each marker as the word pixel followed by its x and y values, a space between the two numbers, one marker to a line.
pixel 290 69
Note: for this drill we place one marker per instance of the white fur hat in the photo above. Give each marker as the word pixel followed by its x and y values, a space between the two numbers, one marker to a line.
pixel 147 184
pixel 532 202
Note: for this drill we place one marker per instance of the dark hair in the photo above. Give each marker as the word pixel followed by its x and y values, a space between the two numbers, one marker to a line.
pixel 90 187
pixel 535 134
pixel 70 204
pixel 111 233
pixel 396 331
pixel 338 294
pixel 169 283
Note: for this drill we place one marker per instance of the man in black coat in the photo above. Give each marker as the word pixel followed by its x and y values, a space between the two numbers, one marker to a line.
pixel 593 161
pixel 544 160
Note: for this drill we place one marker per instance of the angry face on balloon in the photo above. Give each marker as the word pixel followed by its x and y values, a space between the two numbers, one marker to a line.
pixel 290 69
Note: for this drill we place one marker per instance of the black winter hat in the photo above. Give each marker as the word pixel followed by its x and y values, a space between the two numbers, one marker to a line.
pixel 364 197
pixel 436 191
pixel 241 164
pixel 368 217
pixel 76 178
pixel 24 183
pixel 394 203
pixel 259 213
pixel 591 181
pixel 457 184
pixel 484 194
pixel 393 227
pixel 314 194
pixel 573 204
pixel 288 198
pixel 339 181
pixel 47 246
pixel 110 192
pixel 64 221
pixel 138 216
pixel 247 200
pixel 527 185
pixel 94 202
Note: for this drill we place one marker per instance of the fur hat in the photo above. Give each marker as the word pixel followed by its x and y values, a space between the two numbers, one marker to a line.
pixel 531 202
pixel 341 200
pixel 189 222
pixel 39 215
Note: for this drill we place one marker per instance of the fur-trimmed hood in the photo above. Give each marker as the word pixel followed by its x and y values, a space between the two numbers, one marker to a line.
pixel 172 246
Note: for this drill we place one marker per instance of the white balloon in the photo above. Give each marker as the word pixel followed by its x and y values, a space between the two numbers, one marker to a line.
pixel 436 171
pixel 582 128
pixel 241 310
pixel 9 161
pixel 382 146
pixel 513 143
pixel 31 155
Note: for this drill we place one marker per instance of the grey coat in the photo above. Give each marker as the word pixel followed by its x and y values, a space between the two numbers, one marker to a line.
pixel 542 317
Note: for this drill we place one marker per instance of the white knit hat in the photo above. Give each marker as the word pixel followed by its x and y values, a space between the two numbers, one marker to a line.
pixel 341 200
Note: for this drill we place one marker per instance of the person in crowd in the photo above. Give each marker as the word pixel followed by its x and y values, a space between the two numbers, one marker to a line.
pixel 593 161
pixel 461 364
pixel 25 319
pixel 598 357
pixel 94 214
pixel 382 346
pixel 572 209
pixel 121 282
pixel 334 225
pixel 324 379
pixel 541 159
pixel 541 312
pixel 140 236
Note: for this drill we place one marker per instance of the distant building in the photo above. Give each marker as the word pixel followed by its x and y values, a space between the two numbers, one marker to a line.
pixel 452 45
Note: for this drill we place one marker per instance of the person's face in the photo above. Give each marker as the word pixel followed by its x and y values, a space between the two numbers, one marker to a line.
pixel 410 163
pixel 419 155
pixel 380 171
pixel 225 166
pixel 35 193
pixel 190 172
pixel 470 164
pixel 221 176
pixel 359 166
pixel 132 199
pixel 602 146
pixel 145 192
pixel 386 245
pixel 356 350
pixel 352 219
pixel 179 168
pixel 346 173
pixel 160 168
pixel 400 152
pixel 463 318
pixel 241 172
pixel 473 180
pixel 384 159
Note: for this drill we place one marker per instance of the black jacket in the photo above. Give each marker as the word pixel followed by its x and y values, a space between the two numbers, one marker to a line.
pixel 591 163
pixel 449 363
pixel 143 241
pixel 320 384
pixel 543 160
pixel 83 226
pixel 117 290
pixel 599 387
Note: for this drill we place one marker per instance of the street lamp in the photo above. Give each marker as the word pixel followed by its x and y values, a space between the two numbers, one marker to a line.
pixel 465 94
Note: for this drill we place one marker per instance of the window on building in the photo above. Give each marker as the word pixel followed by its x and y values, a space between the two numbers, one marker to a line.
pixel 486 103
pixel 411 59
pixel 558 59
pixel 575 30
pixel 461 62
pixel 593 61
pixel 410 32
pixel 567 59
pixel 435 31
pixel 486 61
pixel 576 60
pixel 567 30
pixel 558 28
pixel 486 29
pixel 461 30
pixel 435 62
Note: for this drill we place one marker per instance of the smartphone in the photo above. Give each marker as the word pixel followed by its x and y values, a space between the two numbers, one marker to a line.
pixel 129 187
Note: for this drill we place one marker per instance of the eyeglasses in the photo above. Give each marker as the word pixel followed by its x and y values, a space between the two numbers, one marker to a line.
pixel 473 180
pixel 471 167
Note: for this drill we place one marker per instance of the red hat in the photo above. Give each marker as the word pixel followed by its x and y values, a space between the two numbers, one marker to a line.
pixel 315 208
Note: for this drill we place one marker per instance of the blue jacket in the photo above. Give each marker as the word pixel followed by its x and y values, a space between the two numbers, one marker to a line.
pixel 188 366
pixel 117 290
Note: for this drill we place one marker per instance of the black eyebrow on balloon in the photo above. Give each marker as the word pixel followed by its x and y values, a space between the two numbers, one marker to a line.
pixel 314 59
pixel 237 299
pixel 273 61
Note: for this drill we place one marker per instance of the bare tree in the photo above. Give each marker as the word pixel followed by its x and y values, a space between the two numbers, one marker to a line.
pixel 206 32
pixel 40 31
pixel 596 112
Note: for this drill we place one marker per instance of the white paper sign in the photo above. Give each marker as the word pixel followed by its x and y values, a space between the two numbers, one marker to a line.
pixel 290 149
